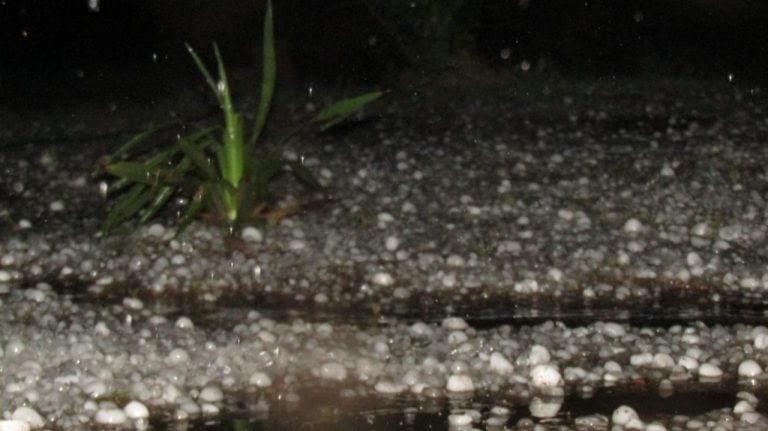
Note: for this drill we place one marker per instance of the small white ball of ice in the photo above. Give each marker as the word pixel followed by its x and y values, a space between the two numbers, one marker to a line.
pixel 332 371
pixel 455 323
pixel 710 370
pixel 260 379
pixel 14 425
pixel 391 243
pixel 184 322
pixel 136 410
pixel 460 383
pixel 112 416
pixel 388 387
pixel 546 376
pixel 499 364
pixel 538 355
pixel 749 369
pixel 30 416
pixel 211 394
pixel 632 225
pixel 624 415
pixel 383 279
pixel 251 234
pixel 459 420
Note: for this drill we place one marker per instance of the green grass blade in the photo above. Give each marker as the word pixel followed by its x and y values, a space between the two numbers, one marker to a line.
pixel 126 206
pixel 198 158
pixel 304 175
pixel 341 110
pixel 268 76
pixel 203 70
pixel 195 206
pixel 160 199
pixel 133 142
pixel 132 171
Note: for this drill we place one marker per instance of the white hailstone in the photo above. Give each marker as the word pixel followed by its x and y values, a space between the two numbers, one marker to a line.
pixel 178 259
pixel 538 355
pixel 157 230
pixel 136 410
pixel 460 383
pixel 527 286
pixel 14 425
pixel 420 330
pixel 391 243
pixel 178 356
pixel 545 376
pixel 663 360
pixel 632 225
pixel 332 371
pixel 56 206
pixel 401 293
pixel 30 416
pixel 623 415
pixel 25 224
pixel 750 283
pixel 14 347
pixel 133 303
pixel 456 337
pixel 297 245
pixel 667 171
pixel 455 261
pixel 448 280
pixel 388 387
pixel 184 322
pixel 749 369
pixel 693 259
pixel 613 329
pixel 96 389
pixel 102 329
pixel 459 420
pixel 545 407
pixel 251 234
pixel 5 276
pixel 742 407
pixel 209 409
pixel 700 229
pixel 260 379
pixel 655 426
pixel 688 363
pixel 555 274
pixel 384 218
pixel 710 371
pixel 382 279
pixel 641 359
pixel 211 394
pixel 761 341
pixel 454 323
pixel 499 364
pixel 112 416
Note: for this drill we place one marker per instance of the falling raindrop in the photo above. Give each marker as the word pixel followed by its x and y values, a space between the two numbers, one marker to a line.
pixel 730 77
pixel 505 53
pixel 525 66
pixel 93 5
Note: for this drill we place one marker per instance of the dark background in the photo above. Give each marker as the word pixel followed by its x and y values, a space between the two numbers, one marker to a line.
pixel 132 47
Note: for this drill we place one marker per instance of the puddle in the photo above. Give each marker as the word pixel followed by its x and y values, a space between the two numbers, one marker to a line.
pixel 397 414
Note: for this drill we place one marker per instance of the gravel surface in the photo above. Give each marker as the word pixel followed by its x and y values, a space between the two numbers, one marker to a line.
pixel 526 247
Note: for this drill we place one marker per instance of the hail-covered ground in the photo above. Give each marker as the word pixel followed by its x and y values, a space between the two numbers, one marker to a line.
pixel 498 261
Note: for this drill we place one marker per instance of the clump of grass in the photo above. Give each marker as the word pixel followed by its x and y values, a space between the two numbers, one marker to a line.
pixel 218 169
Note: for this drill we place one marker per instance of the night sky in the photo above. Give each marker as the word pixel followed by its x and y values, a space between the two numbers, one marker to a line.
pixel 125 46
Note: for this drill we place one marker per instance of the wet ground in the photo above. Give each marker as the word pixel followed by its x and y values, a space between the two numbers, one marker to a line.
pixel 609 234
